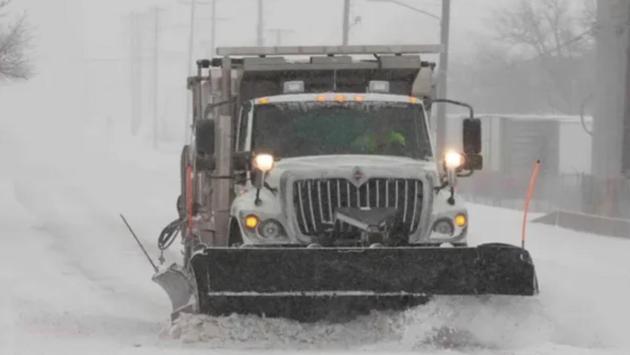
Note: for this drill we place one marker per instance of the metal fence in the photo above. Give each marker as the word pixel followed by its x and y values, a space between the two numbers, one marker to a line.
pixel 608 197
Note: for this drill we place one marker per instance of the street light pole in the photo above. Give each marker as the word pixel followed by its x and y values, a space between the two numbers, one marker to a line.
pixel 442 92
pixel 189 63
pixel 346 21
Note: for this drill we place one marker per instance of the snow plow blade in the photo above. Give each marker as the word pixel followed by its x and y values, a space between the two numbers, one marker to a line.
pixel 325 283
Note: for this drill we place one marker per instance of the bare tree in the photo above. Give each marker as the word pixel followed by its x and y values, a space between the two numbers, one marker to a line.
pixel 557 35
pixel 14 40
pixel 548 27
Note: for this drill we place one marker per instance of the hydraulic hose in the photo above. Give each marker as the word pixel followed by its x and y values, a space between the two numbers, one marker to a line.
pixel 169 234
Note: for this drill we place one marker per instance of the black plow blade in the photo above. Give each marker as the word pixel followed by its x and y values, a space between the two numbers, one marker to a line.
pixel 336 283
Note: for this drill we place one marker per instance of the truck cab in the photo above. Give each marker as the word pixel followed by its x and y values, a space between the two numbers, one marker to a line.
pixel 331 151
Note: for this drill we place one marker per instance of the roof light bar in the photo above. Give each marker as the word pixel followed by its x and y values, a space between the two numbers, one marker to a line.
pixel 330 50
pixel 378 86
pixel 293 87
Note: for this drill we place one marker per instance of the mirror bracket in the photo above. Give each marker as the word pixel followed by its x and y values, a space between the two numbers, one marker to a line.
pixel 259 183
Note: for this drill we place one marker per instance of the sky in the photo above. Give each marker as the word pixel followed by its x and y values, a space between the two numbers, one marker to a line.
pixel 101 22
pixel 81 48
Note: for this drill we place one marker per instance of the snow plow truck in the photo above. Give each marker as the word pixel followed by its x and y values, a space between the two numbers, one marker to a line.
pixel 311 188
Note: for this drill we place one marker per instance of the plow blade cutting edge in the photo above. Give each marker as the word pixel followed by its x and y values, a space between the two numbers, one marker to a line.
pixel 311 284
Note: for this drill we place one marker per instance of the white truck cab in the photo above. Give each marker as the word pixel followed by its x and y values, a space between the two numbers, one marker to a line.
pixel 339 150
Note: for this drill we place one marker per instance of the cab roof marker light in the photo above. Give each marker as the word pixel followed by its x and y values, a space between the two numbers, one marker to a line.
pixel 413 100
pixel 293 87
pixel 378 86
pixel 340 98
pixel 359 98
pixel 320 98
pixel 263 101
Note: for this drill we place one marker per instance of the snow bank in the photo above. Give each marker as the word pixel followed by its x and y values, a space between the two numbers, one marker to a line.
pixel 582 307
pixel 445 323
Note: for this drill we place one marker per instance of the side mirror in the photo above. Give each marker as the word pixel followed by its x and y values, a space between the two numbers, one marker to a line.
pixel 204 145
pixel 471 137
pixel 472 143
pixel 204 137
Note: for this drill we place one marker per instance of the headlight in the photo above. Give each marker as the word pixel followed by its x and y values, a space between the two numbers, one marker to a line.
pixel 453 160
pixel 271 229
pixel 263 162
pixel 443 226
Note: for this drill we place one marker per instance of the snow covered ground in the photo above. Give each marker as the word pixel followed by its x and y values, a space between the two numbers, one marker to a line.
pixel 73 281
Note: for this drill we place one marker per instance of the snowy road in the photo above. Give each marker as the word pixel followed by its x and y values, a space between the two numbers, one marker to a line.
pixel 74 282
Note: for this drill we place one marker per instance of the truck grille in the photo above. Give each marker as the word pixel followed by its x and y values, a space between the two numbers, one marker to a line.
pixel 316 200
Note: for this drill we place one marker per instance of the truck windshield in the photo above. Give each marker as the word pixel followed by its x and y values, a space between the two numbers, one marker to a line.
pixel 294 129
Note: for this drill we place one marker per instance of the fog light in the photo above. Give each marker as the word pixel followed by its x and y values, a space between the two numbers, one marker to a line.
pixel 461 220
pixel 271 229
pixel 251 221
pixel 443 226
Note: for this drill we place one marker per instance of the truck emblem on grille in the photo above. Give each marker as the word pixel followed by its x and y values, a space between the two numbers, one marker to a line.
pixel 357 175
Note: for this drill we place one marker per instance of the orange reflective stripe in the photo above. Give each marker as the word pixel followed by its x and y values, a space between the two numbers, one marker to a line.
pixel 189 197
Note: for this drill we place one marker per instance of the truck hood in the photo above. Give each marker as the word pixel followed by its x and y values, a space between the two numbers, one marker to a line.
pixel 346 166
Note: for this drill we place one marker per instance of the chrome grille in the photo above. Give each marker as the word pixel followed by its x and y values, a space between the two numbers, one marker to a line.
pixel 316 200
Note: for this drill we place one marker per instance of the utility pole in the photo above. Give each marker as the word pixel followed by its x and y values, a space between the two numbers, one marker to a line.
pixel 191 47
pixel 135 72
pixel 346 21
pixel 442 92
pixel 211 51
pixel 156 72
pixel 612 109
pixel 626 124
pixel 213 28
pixel 260 28
pixel 191 42
pixel 191 36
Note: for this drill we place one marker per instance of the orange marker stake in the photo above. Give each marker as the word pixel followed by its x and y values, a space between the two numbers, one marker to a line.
pixel 528 198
